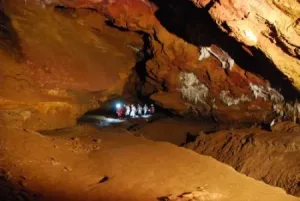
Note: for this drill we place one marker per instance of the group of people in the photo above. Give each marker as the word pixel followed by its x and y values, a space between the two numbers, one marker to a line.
pixel 130 110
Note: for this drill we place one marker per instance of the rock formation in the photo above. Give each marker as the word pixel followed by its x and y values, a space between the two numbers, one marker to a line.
pixel 271 26
pixel 177 32
pixel 58 67
pixel 272 157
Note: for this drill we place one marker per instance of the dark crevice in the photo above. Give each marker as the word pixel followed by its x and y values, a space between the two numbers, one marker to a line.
pixel 209 5
pixel 64 10
pixel 104 179
pixel 112 24
pixel 226 27
pixel 147 55
pixel 196 26
pixel 138 79
pixel 9 39
pixel 156 38
pixel 274 36
pixel 67 9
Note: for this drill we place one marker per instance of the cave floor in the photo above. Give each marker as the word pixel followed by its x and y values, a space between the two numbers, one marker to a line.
pixel 180 130
pixel 90 163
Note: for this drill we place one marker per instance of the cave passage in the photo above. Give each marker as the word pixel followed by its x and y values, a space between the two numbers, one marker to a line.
pixel 65 68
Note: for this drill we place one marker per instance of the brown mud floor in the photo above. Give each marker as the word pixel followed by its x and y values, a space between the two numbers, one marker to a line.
pixel 90 163
pixel 272 157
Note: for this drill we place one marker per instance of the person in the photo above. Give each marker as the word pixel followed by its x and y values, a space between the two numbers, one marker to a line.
pixel 145 109
pixel 119 111
pixel 133 111
pixel 140 110
pixel 127 110
pixel 152 109
pixel 123 109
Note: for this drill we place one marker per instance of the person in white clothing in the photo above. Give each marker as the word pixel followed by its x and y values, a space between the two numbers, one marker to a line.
pixel 139 110
pixel 145 109
pixel 133 111
pixel 127 110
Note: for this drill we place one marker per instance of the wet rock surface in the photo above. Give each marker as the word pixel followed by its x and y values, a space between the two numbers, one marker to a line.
pixel 272 157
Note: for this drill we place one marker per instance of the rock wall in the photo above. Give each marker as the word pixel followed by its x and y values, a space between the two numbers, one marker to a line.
pixel 176 38
pixel 56 64
pixel 271 26
pixel 186 56
pixel 270 157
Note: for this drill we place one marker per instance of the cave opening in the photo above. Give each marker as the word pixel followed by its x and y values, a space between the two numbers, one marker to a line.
pixel 134 91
